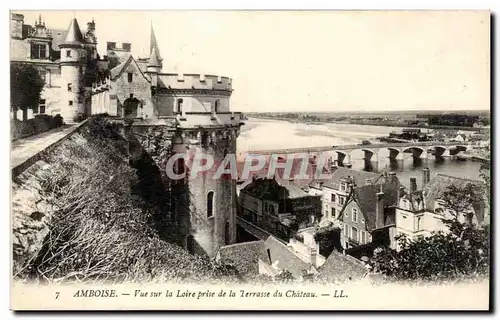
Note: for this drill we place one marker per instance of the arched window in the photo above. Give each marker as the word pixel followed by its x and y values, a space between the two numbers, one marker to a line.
pixel 226 233
pixel 179 166
pixel 217 103
pixel 179 105
pixel 210 204
pixel 190 244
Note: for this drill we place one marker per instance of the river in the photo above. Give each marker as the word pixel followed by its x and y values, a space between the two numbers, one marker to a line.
pixel 259 134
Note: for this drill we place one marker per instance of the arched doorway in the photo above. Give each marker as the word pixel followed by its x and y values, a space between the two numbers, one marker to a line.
pixel 130 107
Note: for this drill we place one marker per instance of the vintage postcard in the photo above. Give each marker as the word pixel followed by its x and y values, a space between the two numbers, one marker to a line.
pixel 250 160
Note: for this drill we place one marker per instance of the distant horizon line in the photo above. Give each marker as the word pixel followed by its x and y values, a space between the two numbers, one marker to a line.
pixel 374 111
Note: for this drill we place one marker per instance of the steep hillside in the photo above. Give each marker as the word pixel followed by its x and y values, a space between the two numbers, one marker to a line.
pixel 76 219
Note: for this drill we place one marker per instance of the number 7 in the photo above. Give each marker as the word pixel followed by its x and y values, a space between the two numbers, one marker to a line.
pixel 57 295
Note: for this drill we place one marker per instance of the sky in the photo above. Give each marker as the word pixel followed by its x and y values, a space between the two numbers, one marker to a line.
pixel 319 61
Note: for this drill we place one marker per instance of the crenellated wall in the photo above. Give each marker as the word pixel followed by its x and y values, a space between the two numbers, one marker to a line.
pixel 199 81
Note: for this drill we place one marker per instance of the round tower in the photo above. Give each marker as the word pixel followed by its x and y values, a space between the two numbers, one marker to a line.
pixel 205 210
pixel 72 73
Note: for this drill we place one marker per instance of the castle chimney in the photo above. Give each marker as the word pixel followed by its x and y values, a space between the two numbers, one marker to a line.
pixel 426 176
pixel 413 184
pixel 91 25
pixel 16 25
pixel 379 220
pixel 314 257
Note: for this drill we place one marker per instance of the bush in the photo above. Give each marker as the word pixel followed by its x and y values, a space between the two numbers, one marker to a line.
pixel 39 124
pixel 58 120
pixel 79 117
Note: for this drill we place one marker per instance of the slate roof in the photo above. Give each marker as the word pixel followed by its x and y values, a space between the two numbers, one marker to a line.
pixel 358 176
pixel 243 256
pixel 273 189
pixel 58 36
pixel 440 183
pixel 118 70
pixel 294 191
pixel 74 34
pixel 340 268
pixel 284 256
pixel 279 172
pixel 366 198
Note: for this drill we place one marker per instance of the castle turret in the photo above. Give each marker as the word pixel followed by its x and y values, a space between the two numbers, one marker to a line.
pixel 154 67
pixel 154 64
pixel 73 63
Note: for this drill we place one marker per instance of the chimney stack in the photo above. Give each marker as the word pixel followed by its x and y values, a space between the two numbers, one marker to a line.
pixel 413 184
pixel 379 222
pixel 426 176
pixel 314 257
pixel 401 192
pixel 368 181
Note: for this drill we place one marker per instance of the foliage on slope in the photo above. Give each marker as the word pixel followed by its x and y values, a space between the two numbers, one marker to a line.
pixel 100 231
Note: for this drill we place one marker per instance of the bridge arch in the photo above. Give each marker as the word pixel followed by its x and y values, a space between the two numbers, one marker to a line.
pixel 395 153
pixel 369 153
pixel 342 156
pixel 439 150
pixel 415 151
pixel 457 149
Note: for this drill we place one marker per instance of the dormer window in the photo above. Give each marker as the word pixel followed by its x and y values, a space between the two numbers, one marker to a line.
pixel 38 51
pixel 343 186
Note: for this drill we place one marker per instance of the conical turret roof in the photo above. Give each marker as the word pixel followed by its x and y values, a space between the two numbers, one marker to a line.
pixel 154 60
pixel 153 45
pixel 74 35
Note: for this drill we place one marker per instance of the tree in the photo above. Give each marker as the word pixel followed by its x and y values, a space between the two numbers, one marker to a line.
pixel 486 176
pixel 460 199
pixel 463 252
pixel 26 86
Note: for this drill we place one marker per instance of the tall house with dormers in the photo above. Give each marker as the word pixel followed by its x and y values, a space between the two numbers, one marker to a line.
pixel 65 59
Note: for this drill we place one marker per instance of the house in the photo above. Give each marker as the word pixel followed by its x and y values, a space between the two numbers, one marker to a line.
pixel 368 214
pixel 421 212
pixel 460 138
pixel 334 191
pixel 242 256
pixel 340 268
pixel 278 206
pixel 279 255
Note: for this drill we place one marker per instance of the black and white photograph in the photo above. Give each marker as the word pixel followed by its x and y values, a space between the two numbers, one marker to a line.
pixel 250 160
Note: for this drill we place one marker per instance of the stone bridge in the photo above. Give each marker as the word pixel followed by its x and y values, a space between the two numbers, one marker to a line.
pixel 371 151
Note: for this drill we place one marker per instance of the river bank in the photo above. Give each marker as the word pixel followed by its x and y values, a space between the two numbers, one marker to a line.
pixel 392 125
pixel 270 134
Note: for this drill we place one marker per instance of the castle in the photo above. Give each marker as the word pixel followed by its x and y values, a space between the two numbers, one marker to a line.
pixel 191 112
